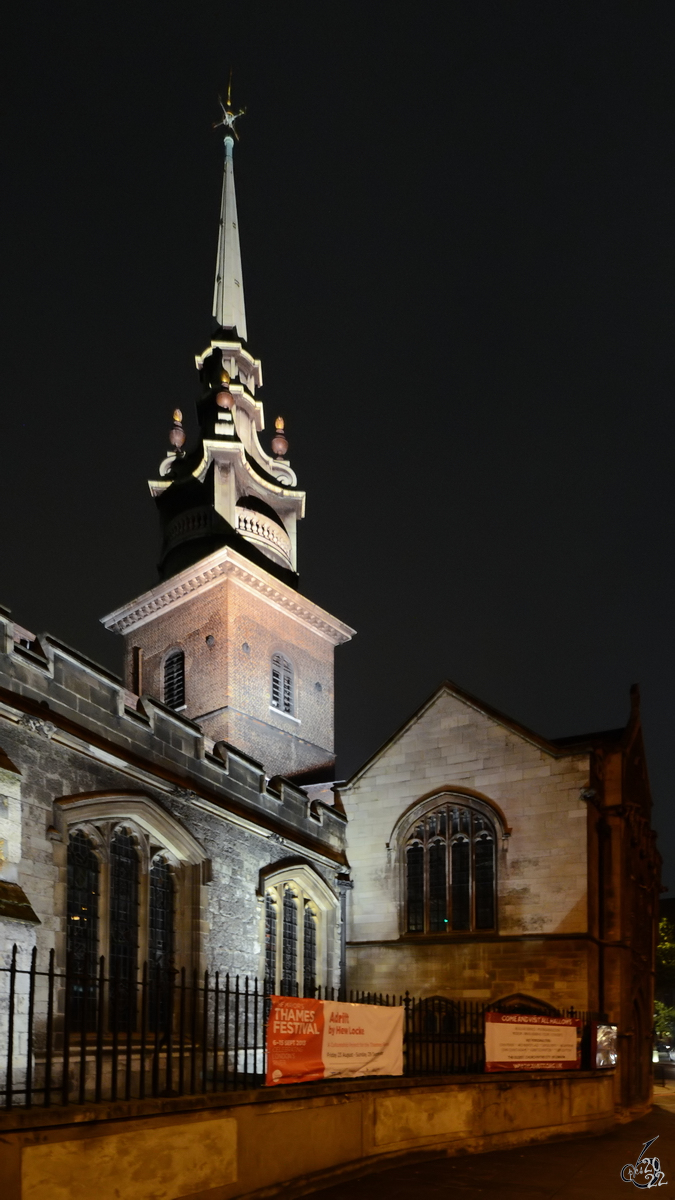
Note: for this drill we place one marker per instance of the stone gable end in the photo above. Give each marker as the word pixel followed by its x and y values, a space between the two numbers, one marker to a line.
pixel 541 866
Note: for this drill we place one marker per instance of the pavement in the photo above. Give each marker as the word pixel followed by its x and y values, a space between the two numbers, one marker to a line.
pixel 584 1168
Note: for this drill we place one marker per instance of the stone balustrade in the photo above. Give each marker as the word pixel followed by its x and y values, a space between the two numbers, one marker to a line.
pixel 263 531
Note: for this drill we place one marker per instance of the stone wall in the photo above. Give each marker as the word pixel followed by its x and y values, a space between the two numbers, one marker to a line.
pixel 559 971
pixel 313 1135
pixel 65 726
pixel 534 795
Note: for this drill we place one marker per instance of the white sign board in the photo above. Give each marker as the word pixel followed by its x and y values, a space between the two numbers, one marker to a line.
pixel 516 1042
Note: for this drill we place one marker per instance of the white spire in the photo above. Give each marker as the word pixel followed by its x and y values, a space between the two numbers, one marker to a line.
pixel 228 293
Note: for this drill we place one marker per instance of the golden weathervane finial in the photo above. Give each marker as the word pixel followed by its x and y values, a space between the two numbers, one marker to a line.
pixel 229 116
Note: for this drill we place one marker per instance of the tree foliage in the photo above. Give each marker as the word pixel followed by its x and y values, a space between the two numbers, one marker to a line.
pixel 665 950
pixel 664 1021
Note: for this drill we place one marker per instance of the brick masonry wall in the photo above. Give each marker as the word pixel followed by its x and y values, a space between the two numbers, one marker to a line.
pixel 226 675
pixel 542 871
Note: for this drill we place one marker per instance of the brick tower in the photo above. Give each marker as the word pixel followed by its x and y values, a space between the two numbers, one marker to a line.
pixel 226 637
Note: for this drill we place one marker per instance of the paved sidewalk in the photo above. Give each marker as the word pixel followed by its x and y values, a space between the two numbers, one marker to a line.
pixel 578 1169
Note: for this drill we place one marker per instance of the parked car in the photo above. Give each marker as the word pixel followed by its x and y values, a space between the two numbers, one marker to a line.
pixel 663 1052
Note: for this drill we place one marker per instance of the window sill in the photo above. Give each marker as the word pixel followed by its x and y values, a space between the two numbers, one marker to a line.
pixel 288 716
pixel 451 935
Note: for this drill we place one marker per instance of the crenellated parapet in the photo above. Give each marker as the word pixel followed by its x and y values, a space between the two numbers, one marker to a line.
pixel 61 697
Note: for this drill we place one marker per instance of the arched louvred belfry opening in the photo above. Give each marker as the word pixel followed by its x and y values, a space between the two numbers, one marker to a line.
pixel 282 684
pixel 174 679
pixel 289 981
pixel 82 926
pixel 123 929
pixel 449 862
pixel 160 940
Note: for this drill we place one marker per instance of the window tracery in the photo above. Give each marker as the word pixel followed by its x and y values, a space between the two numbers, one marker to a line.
pixel 450 870
pixel 129 893
pixel 300 913
pixel 82 920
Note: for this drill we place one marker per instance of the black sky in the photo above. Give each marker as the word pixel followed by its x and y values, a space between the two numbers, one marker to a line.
pixel 457 230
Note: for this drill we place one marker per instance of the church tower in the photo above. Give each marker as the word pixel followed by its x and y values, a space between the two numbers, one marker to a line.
pixel 226 638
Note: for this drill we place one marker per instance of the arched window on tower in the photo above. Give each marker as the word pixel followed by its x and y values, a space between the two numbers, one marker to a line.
pixel 174 679
pixel 282 684
pixel 450 871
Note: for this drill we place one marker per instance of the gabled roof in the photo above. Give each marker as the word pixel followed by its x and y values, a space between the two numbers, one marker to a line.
pixel 556 747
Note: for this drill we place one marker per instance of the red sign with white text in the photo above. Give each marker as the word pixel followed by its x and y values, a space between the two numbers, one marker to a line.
pixel 319 1039
pixel 519 1042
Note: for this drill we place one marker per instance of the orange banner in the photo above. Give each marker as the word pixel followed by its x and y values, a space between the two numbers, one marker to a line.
pixel 319 1039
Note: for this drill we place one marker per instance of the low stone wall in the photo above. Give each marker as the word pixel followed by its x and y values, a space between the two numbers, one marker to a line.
pixel 252 1144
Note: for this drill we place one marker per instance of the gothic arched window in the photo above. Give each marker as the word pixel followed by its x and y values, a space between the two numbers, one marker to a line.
pixel 450 871
pixel 130 872
pixel 124 923
pixel 82 921
pixel 160 941
pixel 289 970
pixel 282 684
pixel 270 941
pixel 174 679
pixel 300 915
pixel 309 951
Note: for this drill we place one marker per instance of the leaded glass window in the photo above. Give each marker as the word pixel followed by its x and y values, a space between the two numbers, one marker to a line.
pixel 123 927
pixel 282 684
pixel 174 679
pixel 161 913
pixel 294 925
pixel 415 856
pixel 160 940
pixel 289 981
pixel 485 879
pixel 450 871
pixel 270 942
pixel 309 952
pixel 82 925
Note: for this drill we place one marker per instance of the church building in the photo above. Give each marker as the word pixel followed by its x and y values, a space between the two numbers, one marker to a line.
pixel 187 814
pixel 154 818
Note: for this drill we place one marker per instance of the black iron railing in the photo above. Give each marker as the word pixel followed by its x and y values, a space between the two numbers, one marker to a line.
pixel 80 1036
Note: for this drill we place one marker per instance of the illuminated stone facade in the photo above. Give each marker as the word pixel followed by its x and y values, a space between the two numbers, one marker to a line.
pixel 575 869
pixel 82 753
pixel 485 860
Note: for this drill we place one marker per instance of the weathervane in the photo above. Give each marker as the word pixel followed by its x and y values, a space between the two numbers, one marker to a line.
pixel 229 116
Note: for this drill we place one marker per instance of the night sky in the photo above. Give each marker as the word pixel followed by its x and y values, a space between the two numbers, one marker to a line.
pixel 457 234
